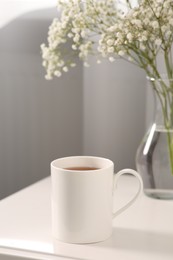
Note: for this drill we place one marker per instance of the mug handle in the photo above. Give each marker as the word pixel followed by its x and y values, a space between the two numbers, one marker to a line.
pixel 116 177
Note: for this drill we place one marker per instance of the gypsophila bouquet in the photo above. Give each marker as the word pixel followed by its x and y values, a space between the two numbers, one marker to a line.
pixel 136 31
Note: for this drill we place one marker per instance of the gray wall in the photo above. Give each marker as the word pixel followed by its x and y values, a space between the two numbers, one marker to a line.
pixel 95 111
pixel 114 111
pixel 39 120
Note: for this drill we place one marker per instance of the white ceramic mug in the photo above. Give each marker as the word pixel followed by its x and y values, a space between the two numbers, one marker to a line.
pixel 82 199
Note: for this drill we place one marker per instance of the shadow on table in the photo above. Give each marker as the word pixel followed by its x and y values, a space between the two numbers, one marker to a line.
pixel 139 240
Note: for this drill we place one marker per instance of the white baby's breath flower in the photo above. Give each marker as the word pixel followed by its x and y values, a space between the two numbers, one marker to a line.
pixel 74 47
pixel 111 59
pixel 64 24
pixel 119 35
pixel 164 28
pixel 70 35
pixel 98 61
pixel 129 36
pixel 65 69
pixel 142 47
pixel 112 28
pixel 48 77
pixel 44 63
pixel 137 22
pixel 166 4
pixel 158 42
pixel 110 42
pixel 130 59
pixel 76 38
pixel 171 21
pixel 110 49
pixel 146 21
pixel 76 30
pixel 121 53
pixel 143 38
pixel 86 64
pixel 155 24
pixel 83 34
pixel 73 65
pixel 60 63
pixel 168 34
pixel 57 73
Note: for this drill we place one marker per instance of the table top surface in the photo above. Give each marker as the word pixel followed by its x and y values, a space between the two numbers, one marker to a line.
pixel 144 231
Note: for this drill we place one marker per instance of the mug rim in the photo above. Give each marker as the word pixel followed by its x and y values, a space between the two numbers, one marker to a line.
pixel 108 163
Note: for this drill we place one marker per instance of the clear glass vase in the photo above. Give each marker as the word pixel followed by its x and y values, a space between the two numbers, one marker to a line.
pixel 154 158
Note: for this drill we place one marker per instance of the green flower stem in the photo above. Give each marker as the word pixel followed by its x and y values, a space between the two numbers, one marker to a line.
pixel 170 148
pixel 165 97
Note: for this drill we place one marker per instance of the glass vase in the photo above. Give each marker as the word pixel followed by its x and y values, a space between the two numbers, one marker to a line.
pixel 154 158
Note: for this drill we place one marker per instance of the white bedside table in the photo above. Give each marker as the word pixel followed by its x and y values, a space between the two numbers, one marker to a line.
pixel 143 232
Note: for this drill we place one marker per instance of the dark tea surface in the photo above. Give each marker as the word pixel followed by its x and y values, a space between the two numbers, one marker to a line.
pixel 83 168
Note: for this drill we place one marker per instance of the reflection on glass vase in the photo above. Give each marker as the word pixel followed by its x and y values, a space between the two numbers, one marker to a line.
pixel 154 158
